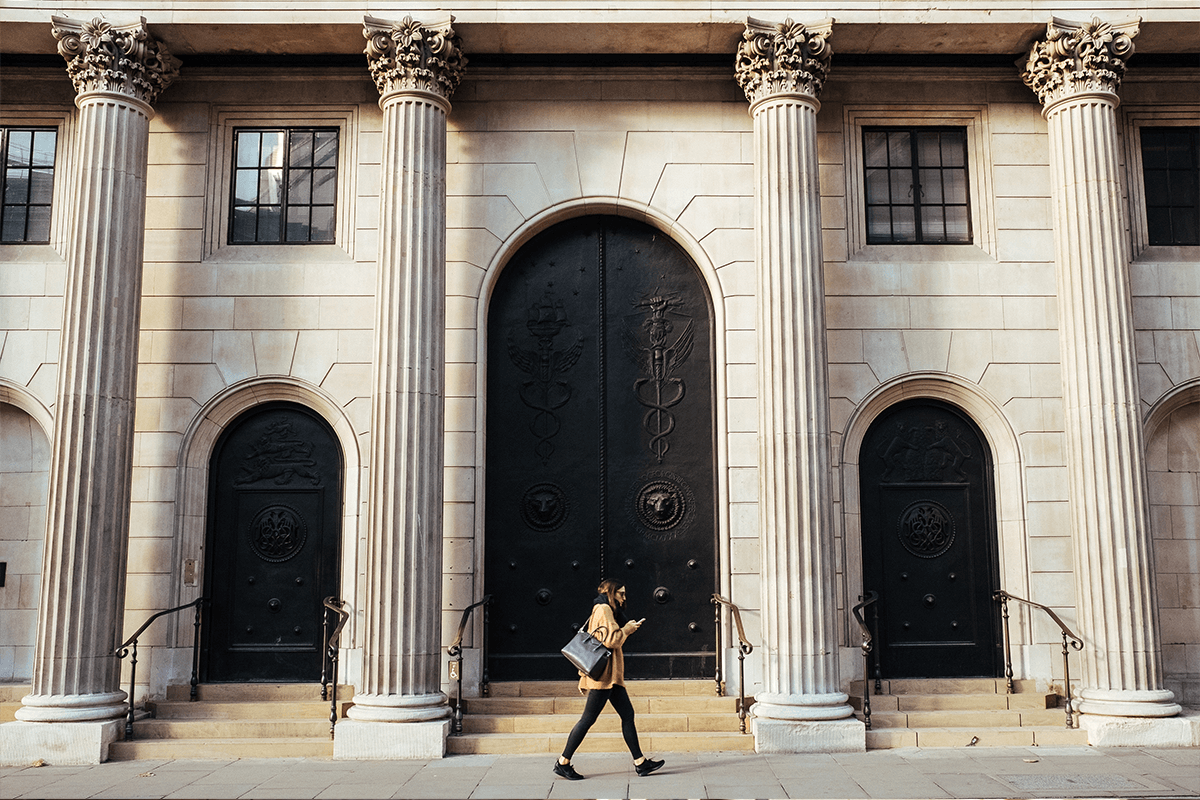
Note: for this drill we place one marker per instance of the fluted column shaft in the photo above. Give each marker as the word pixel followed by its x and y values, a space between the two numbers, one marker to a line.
pixel 402 635
pixel 81 611
pixel 1114 582
pixel 798 606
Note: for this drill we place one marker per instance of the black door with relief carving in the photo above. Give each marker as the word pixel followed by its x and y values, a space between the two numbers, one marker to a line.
pixel 275 501
pixel 600 453
pixel 929 542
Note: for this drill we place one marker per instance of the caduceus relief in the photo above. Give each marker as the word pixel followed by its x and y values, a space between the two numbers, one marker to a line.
pixel 662 389
pixel 545 392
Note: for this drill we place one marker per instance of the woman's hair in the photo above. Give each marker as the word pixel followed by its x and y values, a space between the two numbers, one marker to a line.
pixel 608 587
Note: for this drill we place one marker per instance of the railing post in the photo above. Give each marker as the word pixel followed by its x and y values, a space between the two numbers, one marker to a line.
pixel 195 681
pixel 1067 681
pixel 742 684
pixel 132 683
pixel 325 653
pixel 1008 670
pixel 483 683
pixel 717 628
pixel 874 633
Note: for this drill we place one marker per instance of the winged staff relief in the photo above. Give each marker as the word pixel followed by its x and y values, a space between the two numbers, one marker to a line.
pixel 925 454
pixel 662 389
pixel 545 392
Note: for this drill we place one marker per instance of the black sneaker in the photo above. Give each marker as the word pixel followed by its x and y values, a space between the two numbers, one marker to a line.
pixel 567 771
pixel 648 766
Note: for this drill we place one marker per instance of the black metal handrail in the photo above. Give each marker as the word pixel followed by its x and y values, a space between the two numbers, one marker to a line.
pixel 868 638
pixel 329 658
pixel 1068 638
pixel 129 647
pixel 455 650
pixel 744 649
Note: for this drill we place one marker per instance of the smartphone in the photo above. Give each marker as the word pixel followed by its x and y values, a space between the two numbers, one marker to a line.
pixel 640 621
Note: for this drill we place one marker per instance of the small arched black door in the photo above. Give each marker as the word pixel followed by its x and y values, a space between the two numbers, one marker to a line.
pixel 275 501
pixel 600 455
pixel 929 542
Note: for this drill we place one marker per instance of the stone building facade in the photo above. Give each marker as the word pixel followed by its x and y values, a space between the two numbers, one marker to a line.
pixel 526 297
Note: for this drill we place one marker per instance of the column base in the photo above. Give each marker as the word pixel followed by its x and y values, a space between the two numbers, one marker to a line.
pixel 1128 703
pixel 57 743
pixel 807 736
pixel 380 741
pixel 1179 731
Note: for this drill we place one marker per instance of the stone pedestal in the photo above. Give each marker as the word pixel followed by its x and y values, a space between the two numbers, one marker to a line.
pixel 118 71
pixel 782 68
pixel 399 710
pixel 1076 72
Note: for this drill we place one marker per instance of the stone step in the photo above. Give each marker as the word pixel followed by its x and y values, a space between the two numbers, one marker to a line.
pixel 230 728
pixel 597 742
pixel 947 686
pixel 657 688
pixel 608 723
pixel 572 705
pixel 8 710
pixel 260 692
pixel 243 709
pixel 13 692
pixel 153 749
pixel 963 702
pixel 983 736
pixel 1021 718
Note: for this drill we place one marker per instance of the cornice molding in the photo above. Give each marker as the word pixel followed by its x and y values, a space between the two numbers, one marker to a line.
pixel 411 56
pixel 787 58
pixel 122 59
pixel 1079 58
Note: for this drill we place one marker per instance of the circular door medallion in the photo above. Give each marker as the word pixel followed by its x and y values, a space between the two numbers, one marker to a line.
pixel 277 533
pixel 926 529
pixel 662 506
pixel 544 507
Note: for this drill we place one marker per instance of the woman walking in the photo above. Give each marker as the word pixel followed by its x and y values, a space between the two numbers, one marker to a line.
pixel 609 624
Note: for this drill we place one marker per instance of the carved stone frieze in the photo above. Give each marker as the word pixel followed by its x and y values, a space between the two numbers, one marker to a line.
pixel 102 57
pixel 1079 57
pixel 784 58
pixel 411 55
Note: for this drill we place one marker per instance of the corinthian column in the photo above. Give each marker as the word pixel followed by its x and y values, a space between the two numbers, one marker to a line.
pixel 782 68
pixel 118 71
pixel 1076 72
pixel 399 709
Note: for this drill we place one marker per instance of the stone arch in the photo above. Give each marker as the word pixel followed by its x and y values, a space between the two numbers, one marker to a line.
pixel 620 207
pixel 26 436
pixel 1008 476
pixel 196 451
pixel 1172 434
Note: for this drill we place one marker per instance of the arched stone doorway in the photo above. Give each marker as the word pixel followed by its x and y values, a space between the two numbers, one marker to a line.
pixel 600 451
pixel 275 495
pixel 929 541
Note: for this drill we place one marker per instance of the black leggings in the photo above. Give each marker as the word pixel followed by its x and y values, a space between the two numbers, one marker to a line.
pixel 596 698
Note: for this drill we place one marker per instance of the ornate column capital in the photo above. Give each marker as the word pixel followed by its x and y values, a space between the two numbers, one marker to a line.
pixel 1079 58
pixel 409 55
pixel 784 58
pixel 123 59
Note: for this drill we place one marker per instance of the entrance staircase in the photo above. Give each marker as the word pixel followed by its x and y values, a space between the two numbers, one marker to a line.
pixel 965 712
pixel 235 720
pixel 535 717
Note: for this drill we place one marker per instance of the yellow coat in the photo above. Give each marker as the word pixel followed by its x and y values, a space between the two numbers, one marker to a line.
pixel 613 638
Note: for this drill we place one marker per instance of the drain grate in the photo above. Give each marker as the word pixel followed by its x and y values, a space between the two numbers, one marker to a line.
pixel 1096 781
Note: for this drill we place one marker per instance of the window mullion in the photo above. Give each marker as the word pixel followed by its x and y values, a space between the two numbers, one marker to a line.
pixel 916 174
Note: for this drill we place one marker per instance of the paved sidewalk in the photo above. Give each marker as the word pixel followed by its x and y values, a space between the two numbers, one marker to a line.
pixel 1016 772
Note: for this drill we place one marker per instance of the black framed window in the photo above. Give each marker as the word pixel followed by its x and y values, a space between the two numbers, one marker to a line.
pixel 916 185
pixel 28 183
pixel 1171 172
pixel 284 185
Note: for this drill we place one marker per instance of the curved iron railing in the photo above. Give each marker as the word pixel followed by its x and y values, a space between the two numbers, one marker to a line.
pixel 1069 641
pixel 744 649
pixel 129 647
pixel 329 659
pixel 868 638
pixel 455 650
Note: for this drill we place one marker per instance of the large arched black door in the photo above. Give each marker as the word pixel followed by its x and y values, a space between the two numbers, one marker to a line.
pixel 275 501
pixel 929 542
pixel 600 456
